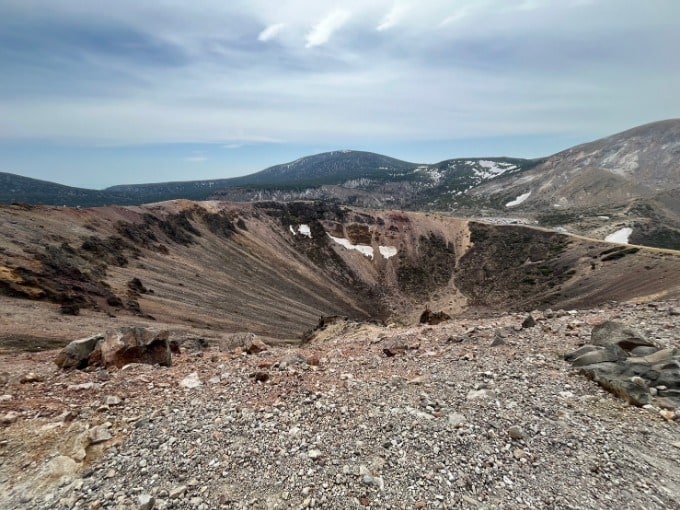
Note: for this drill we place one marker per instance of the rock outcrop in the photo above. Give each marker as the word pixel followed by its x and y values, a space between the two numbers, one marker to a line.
pixel 617 333
pixel 625 363
pixel 117 348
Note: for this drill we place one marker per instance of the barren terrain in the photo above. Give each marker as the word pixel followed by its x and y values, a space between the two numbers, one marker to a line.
pixel 451 422
pixel 370 408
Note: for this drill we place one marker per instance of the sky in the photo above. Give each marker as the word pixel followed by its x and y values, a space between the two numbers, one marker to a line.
pixel 95 93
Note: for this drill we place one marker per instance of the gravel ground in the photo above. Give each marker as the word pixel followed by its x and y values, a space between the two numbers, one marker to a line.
pixel 448 421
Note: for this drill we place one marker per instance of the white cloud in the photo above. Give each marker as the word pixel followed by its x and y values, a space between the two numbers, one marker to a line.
pixel 393 17
pixel 529 5
pixel 453 18
pixel 196 159
pixel 324 29
pixel 270 32
pixel 199 76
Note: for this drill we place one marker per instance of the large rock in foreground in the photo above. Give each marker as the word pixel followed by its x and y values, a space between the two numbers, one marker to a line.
pixel 77 353
pixel 117 348
pixel 613 359
pixel 617 333
pixel 135 345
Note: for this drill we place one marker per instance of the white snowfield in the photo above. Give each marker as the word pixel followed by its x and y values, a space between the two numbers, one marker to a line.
pixel 620 236
pixel 364 249
pixel 303 230
pixel 361 248
pixel 388 251
pixel 519 199
pixel 491 169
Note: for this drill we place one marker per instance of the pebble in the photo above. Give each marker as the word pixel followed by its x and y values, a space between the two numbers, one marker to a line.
pixel 146 501
pixel 515 432
pixel 177 492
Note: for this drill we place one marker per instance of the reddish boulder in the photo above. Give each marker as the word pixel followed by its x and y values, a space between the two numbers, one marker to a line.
pixel 135 345
pixel 255 346
pixel 117 348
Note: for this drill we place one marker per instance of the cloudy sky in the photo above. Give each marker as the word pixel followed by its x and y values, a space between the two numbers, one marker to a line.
pixel 96 93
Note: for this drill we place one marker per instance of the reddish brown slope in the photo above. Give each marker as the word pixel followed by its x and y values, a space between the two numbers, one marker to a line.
pixel 212 269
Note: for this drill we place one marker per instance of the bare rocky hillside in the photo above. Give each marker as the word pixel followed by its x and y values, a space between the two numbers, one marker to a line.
pixel 273 269
pixel 628 180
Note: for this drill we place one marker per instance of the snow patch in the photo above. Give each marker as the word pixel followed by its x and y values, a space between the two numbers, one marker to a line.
pixel 303 230
pixel 388 251
pixel 485 169
pixel 518 200
pixel 356 183
pixel 620 236
pixel 364 249
pixel 432 173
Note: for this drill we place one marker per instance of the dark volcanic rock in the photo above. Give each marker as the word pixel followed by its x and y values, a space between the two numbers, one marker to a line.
pixel 629 377
pixel 612 332
pixel 643 350
pixel 136 287
pixel 609 353
pixel 498 341
pixel 433 318
pixel 69 309
pixel 529 322
pixel 669 378
pixel 399 345
pixel 634 389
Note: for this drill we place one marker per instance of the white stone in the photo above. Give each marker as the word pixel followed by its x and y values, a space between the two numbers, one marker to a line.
pixel 191 381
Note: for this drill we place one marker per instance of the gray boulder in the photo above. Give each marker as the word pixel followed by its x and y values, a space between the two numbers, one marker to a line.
pixel 617 333
pixel 669 379
pixel 608 354
pixel 529 322
pixel 580 352
pixel 643 350
pixel 608 375
pixel 661 356
pixel 639 370
pixel 76 354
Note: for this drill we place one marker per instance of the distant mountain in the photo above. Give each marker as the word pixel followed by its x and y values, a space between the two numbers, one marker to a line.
pixel 330 168
pixel 371 180
pixel 640 162
pixel 630 181
pixel 353 177
pixel 162 191
pixel 312 171
pixel 15 188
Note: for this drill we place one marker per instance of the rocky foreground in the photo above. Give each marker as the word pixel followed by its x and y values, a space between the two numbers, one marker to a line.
pixel 475 412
